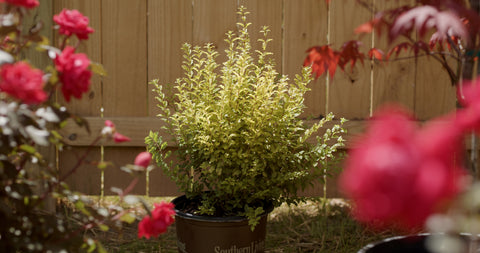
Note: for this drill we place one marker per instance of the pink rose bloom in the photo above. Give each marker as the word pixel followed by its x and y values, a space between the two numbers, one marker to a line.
pixel 468 94
pixel 24 3
pixel 440 175
pixel 397 175
pixel 73 22
pixel 23 82
pixel 161 219
pixel 74 73
pixel 143 159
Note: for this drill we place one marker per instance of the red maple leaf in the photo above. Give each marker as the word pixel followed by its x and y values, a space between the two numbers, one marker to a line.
pixel 375 53
pixel 424 18
pixel 398 49
pixel 321 59
pixel 350 53
pixel 374 24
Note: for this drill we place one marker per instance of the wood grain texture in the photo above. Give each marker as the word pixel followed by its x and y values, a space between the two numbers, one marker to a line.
pixel 91 102
pixel 211 24
pixel 87 178
pixel 169 27
pixel 434 93
pixel 305 24
pixel 349 95
pixel 393 81
pixel 115 177
pixel 124 42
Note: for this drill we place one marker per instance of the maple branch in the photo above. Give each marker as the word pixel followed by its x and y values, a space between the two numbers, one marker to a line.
pixel 421 55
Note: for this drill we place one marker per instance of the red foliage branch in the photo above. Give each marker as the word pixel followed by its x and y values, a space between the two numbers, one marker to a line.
pixel 453 28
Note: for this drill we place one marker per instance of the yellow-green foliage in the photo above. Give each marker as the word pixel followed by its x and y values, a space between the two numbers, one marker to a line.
pixel 238 130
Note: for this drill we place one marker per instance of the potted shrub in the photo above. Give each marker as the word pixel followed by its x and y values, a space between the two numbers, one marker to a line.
pixel 242 147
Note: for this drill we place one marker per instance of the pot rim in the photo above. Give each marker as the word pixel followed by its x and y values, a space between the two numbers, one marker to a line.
pixel 189 216
pixel 373 244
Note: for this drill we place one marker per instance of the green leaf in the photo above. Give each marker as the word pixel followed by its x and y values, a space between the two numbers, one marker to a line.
pixel 103 227
pixel 128 218
pixel 97 68
pixel 29 149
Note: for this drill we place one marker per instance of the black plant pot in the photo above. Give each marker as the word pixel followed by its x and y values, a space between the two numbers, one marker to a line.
pixel 407 244
pixel 198 234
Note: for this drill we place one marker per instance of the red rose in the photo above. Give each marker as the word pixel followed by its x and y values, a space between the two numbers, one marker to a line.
pixel 73 22
pixel 143 159
pixel 24 3
pixel 398 174
pixel 74 73
pixel 162 217
pixel 23 82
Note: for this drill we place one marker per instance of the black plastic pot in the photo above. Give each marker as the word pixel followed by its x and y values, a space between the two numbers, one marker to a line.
pixel 199 234
pixel 407 244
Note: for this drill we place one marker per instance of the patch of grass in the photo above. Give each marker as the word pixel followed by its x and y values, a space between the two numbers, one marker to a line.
pixel 318 227
pixel 311 227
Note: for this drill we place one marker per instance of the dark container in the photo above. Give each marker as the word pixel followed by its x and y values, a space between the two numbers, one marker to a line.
pixel 202 234
pixel 407 244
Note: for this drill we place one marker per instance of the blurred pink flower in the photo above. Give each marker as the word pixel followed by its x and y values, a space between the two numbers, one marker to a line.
pixel 73 22
pixel 143 159
pixel 74 73
pixel 468 95
pixel 24 3
pixel 118 137
pixel 161 219
pixel 397 174
pixel 23 82
pixel 110 131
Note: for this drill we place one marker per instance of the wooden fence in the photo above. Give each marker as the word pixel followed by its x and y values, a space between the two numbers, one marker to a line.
pixel 140 40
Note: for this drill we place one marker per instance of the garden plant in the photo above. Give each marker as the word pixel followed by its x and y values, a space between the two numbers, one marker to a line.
pixel 240 140
pixel 30 119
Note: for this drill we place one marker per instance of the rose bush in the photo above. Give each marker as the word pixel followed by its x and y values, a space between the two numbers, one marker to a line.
pixel 30 120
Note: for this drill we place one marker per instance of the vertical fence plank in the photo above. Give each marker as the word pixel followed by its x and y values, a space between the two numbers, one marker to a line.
pixel 169 26
pixel 125 90
pixel 305 25
pixel 211 24
pixel 124 24
pixel 87 177
pixel 434 93
pixel 266 13
pixel 393 81
pixel 91 102
pixel 350 90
